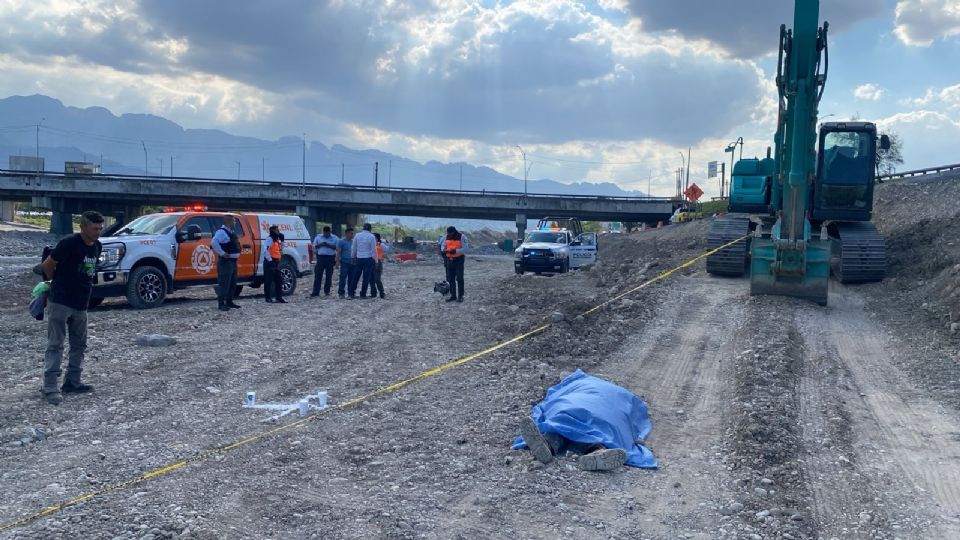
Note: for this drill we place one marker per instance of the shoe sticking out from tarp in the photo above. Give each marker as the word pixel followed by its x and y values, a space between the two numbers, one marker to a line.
pixel 535 440
pixel 607 459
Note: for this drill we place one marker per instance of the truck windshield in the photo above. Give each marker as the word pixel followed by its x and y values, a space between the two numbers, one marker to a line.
pixel 155 224
pixel 847 158
pixel 548 237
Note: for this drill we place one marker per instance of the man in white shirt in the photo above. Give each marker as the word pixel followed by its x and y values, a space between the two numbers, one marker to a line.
pixel 364 253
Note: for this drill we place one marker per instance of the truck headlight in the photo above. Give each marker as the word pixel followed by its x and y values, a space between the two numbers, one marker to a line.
pixel 559 254
pixel 111 254
pixel 518 254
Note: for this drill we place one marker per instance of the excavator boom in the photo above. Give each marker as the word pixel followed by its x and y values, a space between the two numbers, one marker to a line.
pixel 790 259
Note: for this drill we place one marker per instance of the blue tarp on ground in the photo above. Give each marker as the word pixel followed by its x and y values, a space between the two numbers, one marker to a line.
pixel 589 410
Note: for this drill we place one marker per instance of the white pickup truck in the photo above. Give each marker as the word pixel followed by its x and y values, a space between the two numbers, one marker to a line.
pixel 157 254
pixel 554 251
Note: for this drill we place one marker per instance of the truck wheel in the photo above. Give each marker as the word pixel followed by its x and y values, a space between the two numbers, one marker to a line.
pixel 519 272
pixel 146 287
pixel 288 277
pixel 565 267
pixel 94 302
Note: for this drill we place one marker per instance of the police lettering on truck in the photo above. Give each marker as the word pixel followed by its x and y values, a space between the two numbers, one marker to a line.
pixel 157 254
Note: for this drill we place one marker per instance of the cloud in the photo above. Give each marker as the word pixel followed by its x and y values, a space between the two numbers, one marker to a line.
pixel 929 137
pixel 745 29
pixel 944 98
pixel 921 22
pixel 869 92
pixel 543 71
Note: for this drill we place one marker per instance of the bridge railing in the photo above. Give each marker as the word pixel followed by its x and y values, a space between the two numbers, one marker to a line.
pixel 268 183
pixel 918 172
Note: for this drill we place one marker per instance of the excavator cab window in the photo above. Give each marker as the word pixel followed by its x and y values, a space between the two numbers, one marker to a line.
pixel 846 170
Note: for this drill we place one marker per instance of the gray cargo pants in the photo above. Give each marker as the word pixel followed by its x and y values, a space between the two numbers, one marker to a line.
pixel 61 321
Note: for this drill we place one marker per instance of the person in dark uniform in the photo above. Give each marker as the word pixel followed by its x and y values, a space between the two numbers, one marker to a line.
pixel 454 246
pixel 272 278
pixel 227 247
pixel 71 266
pixel 376 285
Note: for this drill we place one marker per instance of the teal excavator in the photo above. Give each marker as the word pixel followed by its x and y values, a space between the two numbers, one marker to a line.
pixel 806 210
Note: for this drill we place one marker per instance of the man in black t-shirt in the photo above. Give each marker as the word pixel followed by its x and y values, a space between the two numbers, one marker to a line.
pixel 71 266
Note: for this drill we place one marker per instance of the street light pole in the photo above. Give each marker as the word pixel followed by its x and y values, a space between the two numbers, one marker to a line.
pixel 525 170
pixel 146 161
pixel 238 169
pixel 161 165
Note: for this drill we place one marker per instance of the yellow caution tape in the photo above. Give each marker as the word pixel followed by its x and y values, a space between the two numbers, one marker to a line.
pixel 313 416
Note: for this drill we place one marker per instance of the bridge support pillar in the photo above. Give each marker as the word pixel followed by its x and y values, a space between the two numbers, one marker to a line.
pixel 521 226
pixel 8 211
pixel 310 216
pixel 63 210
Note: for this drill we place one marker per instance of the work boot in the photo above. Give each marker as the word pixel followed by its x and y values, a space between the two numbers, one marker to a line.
pixel 232 305
pixel 382 296
pixel 222 307
pixel 535 440
pixel 78 388
pixel 280 301
pixel 603 460
pixel 460 299
pixel 53 398
pixel 452 299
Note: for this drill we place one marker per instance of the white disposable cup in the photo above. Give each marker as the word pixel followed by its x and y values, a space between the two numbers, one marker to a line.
pixel 304 407
pixel 251 398
pixel 322 398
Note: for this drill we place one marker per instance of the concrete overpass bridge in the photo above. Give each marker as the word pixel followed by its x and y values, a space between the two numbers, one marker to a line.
pixel 125 196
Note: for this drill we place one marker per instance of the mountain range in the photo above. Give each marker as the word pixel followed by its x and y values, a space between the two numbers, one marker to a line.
pixel 144 143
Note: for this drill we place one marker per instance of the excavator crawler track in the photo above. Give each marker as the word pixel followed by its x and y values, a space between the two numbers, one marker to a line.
pixel 732 260
pixel 862 253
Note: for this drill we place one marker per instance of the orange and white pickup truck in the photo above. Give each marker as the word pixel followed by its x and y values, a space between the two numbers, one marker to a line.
pixel 154 255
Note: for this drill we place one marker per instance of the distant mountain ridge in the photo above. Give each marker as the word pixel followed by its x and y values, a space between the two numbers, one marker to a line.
pixel 135 143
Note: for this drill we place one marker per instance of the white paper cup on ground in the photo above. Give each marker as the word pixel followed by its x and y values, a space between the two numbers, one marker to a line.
pixel 251 399
pixel 322 398
pixel 304 407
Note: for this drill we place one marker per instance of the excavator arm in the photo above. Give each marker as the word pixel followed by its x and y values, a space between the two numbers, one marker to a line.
pixel 789 259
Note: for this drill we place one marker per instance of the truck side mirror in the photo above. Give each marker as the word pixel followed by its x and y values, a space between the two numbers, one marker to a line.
pixel 884 142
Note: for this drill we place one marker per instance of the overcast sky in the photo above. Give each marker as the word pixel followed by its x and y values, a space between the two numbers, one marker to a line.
pixel 601 90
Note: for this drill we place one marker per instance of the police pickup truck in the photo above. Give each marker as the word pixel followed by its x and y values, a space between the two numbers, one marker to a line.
pixel 554 251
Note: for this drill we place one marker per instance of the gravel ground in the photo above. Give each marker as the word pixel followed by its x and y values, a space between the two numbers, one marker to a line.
pixel 773 418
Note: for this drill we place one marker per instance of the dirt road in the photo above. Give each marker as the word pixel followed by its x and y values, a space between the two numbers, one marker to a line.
pixel 773 418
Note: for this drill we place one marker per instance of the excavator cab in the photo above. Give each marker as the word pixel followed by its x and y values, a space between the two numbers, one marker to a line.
pixel 846 164
pixel 750 186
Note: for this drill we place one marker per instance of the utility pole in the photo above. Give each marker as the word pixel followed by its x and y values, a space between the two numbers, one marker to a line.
pixel 649 179
pixel 390 173
pixel 146 168
pixel 303 177
pixel 171 166
pixel 687 184
pixel 161 165
pixel 461 177
pixel 341 172
pixel 238 169
pixel 38 142
pixel 376 173
pixel 723 179
pixel 263 168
